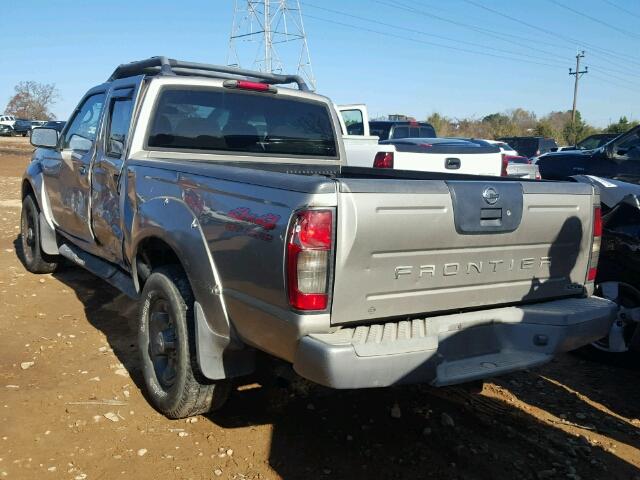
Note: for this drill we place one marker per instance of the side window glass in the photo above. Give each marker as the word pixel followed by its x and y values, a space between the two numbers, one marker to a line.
pixel 353 121
pixel 400 132
pixel 120 117
pixel 629 147
pixel 84 127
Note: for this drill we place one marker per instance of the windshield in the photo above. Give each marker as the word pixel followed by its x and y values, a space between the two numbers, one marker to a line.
pixel 593 142
pixel 224 120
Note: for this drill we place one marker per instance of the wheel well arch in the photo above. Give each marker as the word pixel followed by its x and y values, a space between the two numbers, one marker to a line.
pixel 27 189
pixel 153 252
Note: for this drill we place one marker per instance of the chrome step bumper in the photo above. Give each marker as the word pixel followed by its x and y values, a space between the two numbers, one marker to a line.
pixel 452 349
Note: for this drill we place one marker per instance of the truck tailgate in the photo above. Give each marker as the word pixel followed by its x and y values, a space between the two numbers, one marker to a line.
pixel 465 163
pixel 407 247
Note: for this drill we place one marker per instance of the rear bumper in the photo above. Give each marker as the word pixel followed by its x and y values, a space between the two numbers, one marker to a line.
pixel 452 349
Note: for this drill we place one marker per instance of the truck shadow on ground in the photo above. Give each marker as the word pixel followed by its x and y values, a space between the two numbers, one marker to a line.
pixel 403 432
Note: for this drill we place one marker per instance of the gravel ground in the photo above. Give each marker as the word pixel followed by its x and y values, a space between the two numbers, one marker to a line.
pixel 71 405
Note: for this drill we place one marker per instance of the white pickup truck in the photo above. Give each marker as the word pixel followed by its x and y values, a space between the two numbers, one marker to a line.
pixel 445 155
pixel 362 148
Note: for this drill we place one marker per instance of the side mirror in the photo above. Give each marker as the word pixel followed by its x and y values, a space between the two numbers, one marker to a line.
pixel 44 137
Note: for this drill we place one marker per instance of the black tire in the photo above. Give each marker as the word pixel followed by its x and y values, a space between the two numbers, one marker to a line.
pixel 35 260
pixel 628 297
pixel 166 342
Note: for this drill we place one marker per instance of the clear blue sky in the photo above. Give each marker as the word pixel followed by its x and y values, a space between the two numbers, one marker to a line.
pixel 76 44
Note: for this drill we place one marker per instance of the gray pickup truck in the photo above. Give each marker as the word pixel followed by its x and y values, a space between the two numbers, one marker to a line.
pixel 220 199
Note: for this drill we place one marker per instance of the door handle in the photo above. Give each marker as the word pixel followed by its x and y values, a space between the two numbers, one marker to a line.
pixel 82 170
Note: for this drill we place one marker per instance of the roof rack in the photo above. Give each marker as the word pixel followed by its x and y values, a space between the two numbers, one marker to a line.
pixel 169 66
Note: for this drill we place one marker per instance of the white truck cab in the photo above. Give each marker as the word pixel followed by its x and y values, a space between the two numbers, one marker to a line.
pixel 445 155
pixel 361 147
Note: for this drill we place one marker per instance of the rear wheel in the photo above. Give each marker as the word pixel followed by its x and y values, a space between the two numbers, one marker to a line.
pixel 166 341
pixel 615 347
pixel 34 258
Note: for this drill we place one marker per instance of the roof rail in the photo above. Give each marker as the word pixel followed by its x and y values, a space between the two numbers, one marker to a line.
pixel 169 66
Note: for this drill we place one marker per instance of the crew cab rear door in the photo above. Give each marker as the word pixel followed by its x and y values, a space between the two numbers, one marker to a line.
pixel 106 219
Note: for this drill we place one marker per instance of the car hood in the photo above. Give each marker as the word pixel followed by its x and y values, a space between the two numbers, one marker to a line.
pixel 568 154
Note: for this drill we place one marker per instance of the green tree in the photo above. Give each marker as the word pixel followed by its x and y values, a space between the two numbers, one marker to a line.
pixel 441 124
pixel 621 126
pixel 500 125
pixel 576 132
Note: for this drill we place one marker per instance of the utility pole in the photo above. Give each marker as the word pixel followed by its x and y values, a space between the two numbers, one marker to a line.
pixel 578 73
pixel 269 35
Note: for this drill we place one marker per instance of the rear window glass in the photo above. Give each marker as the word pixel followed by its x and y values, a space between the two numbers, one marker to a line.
pixel 223 120
pixel 380 130
pixel 427 132
pixel 400 132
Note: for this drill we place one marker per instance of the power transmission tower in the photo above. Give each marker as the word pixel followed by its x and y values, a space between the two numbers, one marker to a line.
pixel 269 36
pixel 578 73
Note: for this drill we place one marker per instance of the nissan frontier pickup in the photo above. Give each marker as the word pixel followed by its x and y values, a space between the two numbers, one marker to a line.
pixel 220 199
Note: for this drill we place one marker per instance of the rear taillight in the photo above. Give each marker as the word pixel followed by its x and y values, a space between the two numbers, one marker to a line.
pixel 595 246
pixel 383 160
pixel 308 256
pixel 505 164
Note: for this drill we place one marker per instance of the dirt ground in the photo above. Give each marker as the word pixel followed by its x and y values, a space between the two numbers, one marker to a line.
pixel 71 404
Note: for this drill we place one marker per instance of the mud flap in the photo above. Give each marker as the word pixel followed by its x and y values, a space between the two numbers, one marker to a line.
pixel 48 241
pixel 215 359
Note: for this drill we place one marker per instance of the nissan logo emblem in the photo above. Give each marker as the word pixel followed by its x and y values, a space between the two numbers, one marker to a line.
pixel 490 195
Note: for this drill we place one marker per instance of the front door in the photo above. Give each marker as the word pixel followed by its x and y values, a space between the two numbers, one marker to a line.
pixel 107 168
pixel 67 169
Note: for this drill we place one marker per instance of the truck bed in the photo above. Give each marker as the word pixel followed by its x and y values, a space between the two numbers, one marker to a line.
pixel 413 243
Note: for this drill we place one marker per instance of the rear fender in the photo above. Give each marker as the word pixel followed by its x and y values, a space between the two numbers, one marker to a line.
pixel 173 222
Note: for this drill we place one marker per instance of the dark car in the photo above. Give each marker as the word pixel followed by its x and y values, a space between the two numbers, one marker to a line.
pixel 55 124
pixel 596 141
pixel 22 127
pixel 394 129
pixel 530 146
pixel 619 159
pixel 5 130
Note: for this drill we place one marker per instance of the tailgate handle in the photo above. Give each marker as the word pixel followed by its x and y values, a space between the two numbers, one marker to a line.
pixel 452 163
pixel 491 217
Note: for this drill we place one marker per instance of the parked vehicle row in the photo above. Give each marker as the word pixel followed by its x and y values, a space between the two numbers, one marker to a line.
pixel 402 151
pixel 224 202
pixel 618 159
pixel 12 126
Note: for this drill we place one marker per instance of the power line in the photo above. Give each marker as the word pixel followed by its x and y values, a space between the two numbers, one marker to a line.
pixel 599 21
pixel 482 30
pixel 422 32
pixel 609 82
pixel 495 34
pixel 425 42
pixel 629 12
pixel 551 32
